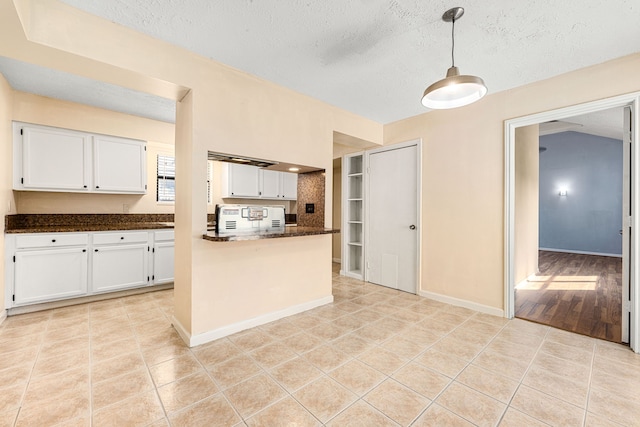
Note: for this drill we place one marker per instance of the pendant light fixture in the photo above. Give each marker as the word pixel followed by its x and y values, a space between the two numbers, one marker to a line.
pixel 454 90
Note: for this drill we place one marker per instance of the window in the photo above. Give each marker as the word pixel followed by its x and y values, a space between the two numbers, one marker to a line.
pixel 166 189
pixel 209 172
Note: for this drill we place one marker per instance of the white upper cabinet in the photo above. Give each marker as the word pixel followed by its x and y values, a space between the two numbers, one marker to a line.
pixel 240 181
pixel 119 165
pixel 270 183
pixel 252 182
pixel 289 185
pixel 54 159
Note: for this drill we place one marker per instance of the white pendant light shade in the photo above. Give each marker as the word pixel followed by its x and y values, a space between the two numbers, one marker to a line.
pixel 454 91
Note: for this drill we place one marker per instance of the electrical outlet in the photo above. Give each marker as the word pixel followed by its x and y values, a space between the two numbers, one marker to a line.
pixel 125 208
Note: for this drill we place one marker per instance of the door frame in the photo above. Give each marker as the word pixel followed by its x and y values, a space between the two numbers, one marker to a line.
pixel 418 144
pixel 510 126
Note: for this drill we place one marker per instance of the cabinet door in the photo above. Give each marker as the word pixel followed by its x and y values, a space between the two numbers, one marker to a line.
pixel 270 184
pixel 119 267
pixel 119 165
pixel 50 274
pixel 290 185
pixel 163 253
pixel 54 159
pixel 243 181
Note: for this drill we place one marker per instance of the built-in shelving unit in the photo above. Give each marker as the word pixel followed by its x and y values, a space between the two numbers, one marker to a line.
pixel 353 218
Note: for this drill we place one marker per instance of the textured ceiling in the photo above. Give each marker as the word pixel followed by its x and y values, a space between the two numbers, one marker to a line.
pixel 68 87
pixel 375 57
pixel 608 123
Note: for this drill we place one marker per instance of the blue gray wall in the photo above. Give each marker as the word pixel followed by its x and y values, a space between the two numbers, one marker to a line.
pixel 589 217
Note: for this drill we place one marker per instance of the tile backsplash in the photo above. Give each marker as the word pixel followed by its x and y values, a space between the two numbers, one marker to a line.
pixel 311 191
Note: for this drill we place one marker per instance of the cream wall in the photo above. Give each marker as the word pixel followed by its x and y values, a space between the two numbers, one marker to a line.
pixel 463 175
pixel 7 204
pixel 52 112
pixel 526 202
pixel 219 109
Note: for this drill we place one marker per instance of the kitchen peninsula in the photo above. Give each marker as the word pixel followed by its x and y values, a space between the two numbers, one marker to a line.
pixel 289 231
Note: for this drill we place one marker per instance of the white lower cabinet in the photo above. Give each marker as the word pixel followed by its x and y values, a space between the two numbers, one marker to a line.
pixel 49 274
pixel 119 267
pixel 44 267
pixel 163 253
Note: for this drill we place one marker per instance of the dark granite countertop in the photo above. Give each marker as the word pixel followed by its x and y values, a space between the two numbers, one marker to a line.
pixel 294 231
pixel 94 227
pixel 68 223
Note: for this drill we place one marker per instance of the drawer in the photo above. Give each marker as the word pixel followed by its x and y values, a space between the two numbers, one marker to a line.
pixel 51 240
pixel 164 235
pixel 123 237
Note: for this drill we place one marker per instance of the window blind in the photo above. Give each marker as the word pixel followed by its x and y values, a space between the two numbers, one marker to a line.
pixel 166 188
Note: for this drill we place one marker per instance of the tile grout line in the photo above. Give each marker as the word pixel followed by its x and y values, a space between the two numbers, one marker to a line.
pixel 453 379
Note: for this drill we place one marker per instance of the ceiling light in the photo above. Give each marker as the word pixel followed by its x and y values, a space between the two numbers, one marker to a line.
pixel 294 169
pixel 454 90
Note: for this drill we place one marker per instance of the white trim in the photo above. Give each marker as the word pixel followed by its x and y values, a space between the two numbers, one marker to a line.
pixel 3 316
pixel 205 337
pixel 571 251
pixel 337 260
pixel 509 194
pixel 462 303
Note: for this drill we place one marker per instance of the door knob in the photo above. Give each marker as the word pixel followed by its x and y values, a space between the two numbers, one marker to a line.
pixel 412 227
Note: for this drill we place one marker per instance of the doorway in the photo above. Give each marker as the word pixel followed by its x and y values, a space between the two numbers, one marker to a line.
pixel 392 212
pixel 576 283
pixel 629 304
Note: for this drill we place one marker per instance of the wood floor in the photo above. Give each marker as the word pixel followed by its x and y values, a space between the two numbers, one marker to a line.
pixel 574 292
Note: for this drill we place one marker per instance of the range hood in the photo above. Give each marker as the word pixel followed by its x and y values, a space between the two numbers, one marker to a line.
pixel 221 157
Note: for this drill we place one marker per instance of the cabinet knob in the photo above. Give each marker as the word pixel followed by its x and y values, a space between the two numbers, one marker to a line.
pixel 53 240
pixel 97 186
pixel 122 238
pixel 95 250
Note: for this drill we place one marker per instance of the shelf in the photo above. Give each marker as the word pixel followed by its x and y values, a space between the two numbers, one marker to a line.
pixel 353 193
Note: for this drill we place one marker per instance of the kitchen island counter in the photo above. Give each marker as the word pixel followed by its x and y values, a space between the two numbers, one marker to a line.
pixel 290 231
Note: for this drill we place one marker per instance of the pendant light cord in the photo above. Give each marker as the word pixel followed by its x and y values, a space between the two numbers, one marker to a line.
pixel 453 41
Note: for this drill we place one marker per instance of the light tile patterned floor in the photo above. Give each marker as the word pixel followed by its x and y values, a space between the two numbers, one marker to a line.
pixel 375 357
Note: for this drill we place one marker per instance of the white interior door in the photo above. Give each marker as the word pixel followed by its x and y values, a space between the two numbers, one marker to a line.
pixel 626 223
pixel 392 225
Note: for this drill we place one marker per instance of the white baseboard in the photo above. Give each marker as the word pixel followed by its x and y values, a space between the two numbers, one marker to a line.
pixel 3 316
pixel 570 251
pixel 463 303
pixel 194 340
pixel 82 300
pixel 337 260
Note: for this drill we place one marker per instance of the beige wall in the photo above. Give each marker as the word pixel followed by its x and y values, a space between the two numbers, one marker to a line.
pixel 526 202
pixel 224 110
pixel 7 204
pixel 52 112
pixel 336 242
pixel 463 175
